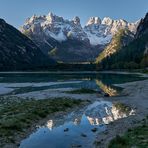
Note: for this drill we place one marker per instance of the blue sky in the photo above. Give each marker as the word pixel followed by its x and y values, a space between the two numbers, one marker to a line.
pixel 16 11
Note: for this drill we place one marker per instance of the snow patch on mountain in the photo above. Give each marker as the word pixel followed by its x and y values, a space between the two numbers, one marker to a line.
pixel 95 40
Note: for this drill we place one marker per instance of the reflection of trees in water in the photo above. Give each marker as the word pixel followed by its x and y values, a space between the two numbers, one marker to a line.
pixel 106 89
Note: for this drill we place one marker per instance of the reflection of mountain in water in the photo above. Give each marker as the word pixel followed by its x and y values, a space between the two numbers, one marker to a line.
pixel 106 89
pixel 98 113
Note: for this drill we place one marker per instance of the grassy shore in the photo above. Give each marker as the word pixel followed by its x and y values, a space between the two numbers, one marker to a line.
pixel 135 137
pixel 17 115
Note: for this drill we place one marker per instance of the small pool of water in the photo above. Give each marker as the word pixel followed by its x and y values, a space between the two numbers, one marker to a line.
pixel 76 129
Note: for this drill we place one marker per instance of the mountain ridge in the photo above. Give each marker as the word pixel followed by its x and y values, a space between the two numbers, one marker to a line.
pixel 51 21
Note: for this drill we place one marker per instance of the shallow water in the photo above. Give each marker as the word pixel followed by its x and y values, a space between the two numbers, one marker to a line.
pixel 75 129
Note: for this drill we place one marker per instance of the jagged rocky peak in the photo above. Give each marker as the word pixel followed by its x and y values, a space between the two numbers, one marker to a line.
pixel 53 18
pixel 107 21
pixel 76 20
pixel 50 16
pixel 115 25
pixel 44 19
pixel 94 20
pixel 34 19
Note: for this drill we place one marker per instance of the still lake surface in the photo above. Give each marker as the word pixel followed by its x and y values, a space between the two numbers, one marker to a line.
pixel 23 83
pixel 77 128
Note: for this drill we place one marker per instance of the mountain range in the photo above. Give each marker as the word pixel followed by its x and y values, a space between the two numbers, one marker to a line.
pixel 44 41
pixel 68 41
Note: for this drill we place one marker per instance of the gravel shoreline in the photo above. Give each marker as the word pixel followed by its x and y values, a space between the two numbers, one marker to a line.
pixel 135 95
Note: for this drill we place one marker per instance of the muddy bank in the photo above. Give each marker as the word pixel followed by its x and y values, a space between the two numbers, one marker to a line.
pixel 135 95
